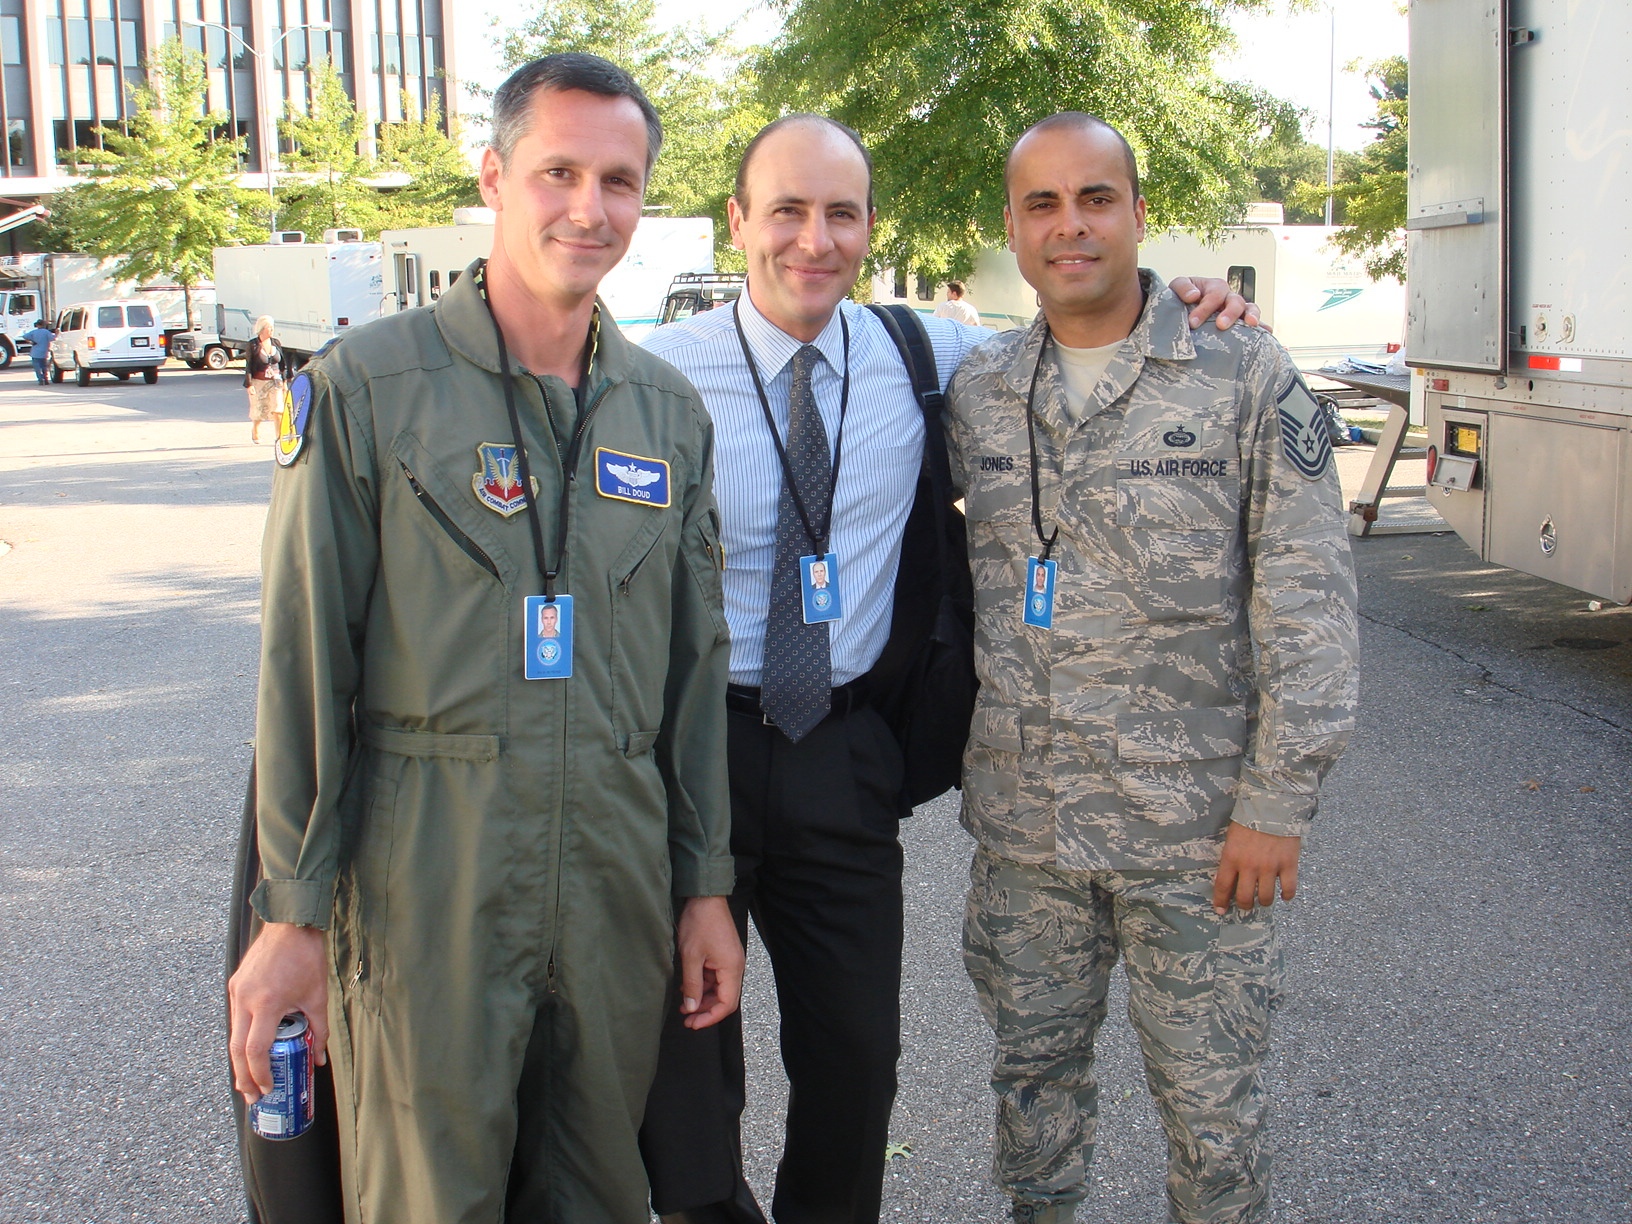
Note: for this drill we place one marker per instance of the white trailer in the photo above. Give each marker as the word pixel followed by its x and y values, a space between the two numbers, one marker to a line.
pixel 314 291
pixel 1521 280
pixel 423 263
pixel 1321 303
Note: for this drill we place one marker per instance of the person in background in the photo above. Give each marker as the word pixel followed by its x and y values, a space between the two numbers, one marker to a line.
pixel 266 366
pixel 955 308
pixel 39 338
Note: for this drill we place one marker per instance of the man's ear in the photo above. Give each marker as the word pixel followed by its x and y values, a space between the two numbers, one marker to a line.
pixel 487 178
pixel 736 216
pixel 1139 217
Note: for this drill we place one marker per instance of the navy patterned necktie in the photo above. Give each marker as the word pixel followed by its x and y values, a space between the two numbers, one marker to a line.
pixel 796 680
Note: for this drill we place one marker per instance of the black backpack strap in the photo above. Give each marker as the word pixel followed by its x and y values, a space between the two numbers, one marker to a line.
pixel 910 336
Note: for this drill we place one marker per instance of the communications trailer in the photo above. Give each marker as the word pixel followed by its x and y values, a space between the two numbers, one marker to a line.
pixel 1520 280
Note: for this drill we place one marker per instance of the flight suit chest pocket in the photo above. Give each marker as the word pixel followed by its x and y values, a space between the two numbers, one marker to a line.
pixel 1178 518
pixel 445 514
pixel 997 475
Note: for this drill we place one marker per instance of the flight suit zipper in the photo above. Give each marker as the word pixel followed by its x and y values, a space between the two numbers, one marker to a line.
pixel 567 465
pixel 469 546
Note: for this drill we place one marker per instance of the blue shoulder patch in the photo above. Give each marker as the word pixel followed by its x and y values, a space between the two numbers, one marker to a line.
pixel 1304 437
pixel 293 418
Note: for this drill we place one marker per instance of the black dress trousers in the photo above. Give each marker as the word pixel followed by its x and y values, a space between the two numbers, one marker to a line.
pixel 815 832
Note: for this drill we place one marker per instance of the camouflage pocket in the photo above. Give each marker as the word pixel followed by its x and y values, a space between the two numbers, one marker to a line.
pixel 1180 767
pixel 1178 543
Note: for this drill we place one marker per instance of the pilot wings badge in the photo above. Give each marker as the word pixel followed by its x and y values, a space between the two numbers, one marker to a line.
pixel 632 478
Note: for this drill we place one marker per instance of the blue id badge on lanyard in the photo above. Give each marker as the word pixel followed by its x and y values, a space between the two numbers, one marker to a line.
pixel 819 586
pixel 547 638
pixel 1040 593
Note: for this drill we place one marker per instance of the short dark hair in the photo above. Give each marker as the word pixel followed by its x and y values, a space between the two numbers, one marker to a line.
pixel 1075 119
pixel 512 104
pixel 955 287
pixel 740 190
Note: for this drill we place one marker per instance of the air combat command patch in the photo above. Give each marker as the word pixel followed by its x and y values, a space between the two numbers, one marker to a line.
pixel 1304 436
pixel 293 418
pixel 498 482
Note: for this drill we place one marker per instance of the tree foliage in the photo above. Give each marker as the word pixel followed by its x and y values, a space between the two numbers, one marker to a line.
pixel 1292 173
pixel 327 190
pixel 438 173
pixel 939 89
pixel 700 84
pixel 1371 189
pixel 163 196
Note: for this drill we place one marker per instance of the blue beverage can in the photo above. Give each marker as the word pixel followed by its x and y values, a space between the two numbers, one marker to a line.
pixel 286 1112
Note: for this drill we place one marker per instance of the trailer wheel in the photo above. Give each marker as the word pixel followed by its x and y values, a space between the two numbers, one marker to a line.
pixel 56 370
pixel 82 376
pixel 215 357
pixel 6 353
pixel 150 375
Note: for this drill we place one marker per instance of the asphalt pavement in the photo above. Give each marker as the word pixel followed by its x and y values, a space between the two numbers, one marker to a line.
pixel 1454 1045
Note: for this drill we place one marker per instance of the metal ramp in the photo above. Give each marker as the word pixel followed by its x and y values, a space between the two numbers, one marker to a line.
pixel 1409 511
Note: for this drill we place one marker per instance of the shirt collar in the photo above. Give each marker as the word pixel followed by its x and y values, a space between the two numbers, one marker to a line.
pixel 773 348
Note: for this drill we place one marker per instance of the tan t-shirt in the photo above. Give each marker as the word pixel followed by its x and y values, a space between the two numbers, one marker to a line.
pixel 1080 369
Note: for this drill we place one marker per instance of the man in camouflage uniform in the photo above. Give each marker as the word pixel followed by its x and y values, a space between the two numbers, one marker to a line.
pixel 1154 755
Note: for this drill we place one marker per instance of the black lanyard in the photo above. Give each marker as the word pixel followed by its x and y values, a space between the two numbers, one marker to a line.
pixel 1031 437
pixel 817 540
pixel 570 466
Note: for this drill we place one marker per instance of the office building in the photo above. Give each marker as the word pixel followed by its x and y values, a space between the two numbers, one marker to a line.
pixel 66 67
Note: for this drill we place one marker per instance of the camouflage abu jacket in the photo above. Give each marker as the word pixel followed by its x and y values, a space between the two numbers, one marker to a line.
pixel 1201 667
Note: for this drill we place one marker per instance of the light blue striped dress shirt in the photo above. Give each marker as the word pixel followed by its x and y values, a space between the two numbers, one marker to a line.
pixel 878 472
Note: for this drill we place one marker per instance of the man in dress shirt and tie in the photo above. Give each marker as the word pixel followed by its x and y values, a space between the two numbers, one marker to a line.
pixel 819 441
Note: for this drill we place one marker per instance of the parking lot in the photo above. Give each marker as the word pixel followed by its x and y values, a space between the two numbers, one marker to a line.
pixel 1455 1041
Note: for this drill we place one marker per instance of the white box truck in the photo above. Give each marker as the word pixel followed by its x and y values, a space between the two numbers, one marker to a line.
pixel 1520 280
pixel 422 263
pixel 314 291
pixel 1321 303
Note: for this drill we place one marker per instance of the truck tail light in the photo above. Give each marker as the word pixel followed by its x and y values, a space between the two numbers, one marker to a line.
pixel 1433 462
pixel 90 342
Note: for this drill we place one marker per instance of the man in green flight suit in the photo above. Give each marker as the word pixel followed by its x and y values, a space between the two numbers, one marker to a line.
pixel 469 871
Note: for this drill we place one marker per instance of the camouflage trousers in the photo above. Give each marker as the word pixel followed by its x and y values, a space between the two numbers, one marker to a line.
pixel 1040 945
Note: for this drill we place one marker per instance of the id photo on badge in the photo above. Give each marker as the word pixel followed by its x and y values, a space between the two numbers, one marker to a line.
pixel 547 644
pixel 819 584
pixel 1040 593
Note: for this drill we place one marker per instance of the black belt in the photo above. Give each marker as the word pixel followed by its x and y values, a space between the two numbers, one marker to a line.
pixel 847 699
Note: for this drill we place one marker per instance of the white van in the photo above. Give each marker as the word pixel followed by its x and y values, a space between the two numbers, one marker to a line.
pixel 107 337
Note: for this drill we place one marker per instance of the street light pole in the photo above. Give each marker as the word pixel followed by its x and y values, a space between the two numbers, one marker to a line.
pixel 1331 107
pixel 269 138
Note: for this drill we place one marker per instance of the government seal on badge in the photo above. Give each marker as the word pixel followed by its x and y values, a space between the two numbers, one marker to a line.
pixel 293 418
pixel 498 481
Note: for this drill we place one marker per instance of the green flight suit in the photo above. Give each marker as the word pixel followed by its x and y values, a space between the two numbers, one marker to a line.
pixel 494 857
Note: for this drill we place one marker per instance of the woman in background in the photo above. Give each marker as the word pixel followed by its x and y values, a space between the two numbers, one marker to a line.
pixel 266 366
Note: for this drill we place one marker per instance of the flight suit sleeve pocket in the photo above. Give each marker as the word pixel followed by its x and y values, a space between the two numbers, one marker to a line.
pixel 1182 735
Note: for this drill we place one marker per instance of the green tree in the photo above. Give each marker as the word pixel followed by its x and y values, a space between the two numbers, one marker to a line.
pixel 327 190
pixel 1371 189
pixel 1293 174
pixel 438 172
pixel 699 83
pixel 164 195
pixel 939 89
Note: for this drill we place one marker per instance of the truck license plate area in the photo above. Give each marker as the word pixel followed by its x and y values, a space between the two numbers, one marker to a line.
pixel 138 342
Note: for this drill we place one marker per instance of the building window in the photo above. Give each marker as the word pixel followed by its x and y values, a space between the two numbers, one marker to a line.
pixel 900 288
pixel 17 146
pixel 79 41
pixel 130 43
pixel 11 40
